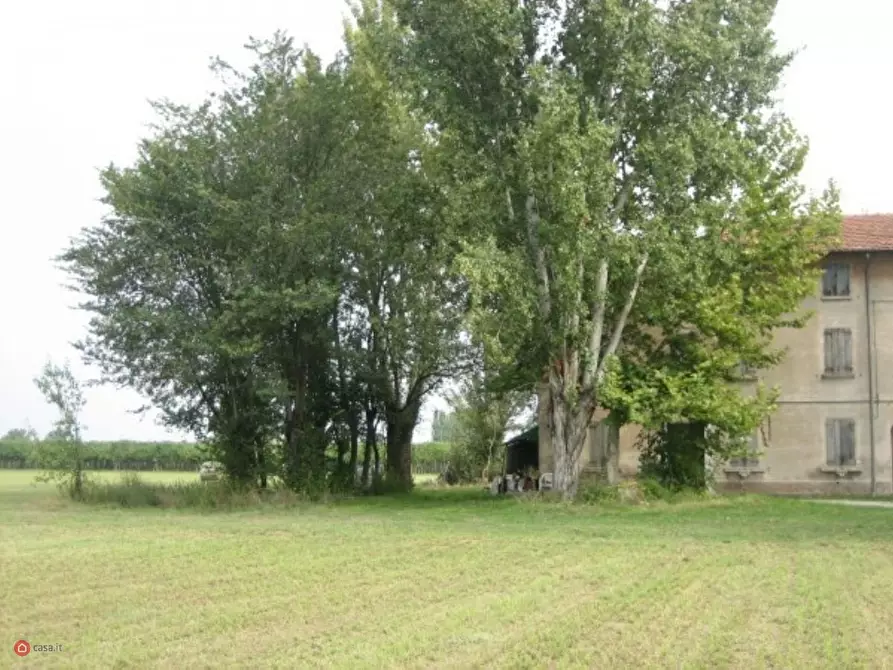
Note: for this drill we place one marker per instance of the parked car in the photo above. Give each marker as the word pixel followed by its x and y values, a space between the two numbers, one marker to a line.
pixel 210 471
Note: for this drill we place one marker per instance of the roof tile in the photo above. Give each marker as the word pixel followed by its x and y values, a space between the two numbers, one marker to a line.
pixel 867 232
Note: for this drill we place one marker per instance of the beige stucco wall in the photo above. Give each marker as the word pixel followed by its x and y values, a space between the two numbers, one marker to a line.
pixel 628 456
pixel 793 459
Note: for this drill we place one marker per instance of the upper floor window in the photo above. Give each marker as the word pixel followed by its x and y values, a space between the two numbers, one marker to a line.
pixel 836 280
pixel 746 371
pixel 840 442
pixel 838 352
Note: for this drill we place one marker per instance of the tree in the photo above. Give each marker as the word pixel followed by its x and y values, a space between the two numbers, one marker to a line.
pixel 481 416
pixel 21 435
pixel 275 268
pixel 210 285
pixel 605 157
pixel 407 303
pixel 443 426
pixel 63 459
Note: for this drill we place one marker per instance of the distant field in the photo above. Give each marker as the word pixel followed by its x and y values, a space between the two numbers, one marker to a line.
pixel 22 481
pixel 446 579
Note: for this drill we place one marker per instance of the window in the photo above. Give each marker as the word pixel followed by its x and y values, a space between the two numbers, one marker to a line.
pixel 838 352
pixel 746 370
pixel 750 458
pixel 836 281
pixel 840 442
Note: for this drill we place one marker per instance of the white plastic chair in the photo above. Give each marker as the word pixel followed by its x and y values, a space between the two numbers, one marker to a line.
pixel 546 481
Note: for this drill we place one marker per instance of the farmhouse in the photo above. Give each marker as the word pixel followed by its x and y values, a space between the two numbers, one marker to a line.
pixel 833 429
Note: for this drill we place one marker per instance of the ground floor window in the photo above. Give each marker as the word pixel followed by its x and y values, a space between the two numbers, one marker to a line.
pixel 840 441
pixel 750 457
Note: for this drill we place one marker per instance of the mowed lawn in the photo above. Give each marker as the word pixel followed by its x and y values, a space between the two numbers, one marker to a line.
pixel 449 579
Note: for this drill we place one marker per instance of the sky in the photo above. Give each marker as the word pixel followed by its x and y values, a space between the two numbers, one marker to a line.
pixel 76 78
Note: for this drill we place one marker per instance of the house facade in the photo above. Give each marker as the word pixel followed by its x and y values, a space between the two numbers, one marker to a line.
pixel 832 430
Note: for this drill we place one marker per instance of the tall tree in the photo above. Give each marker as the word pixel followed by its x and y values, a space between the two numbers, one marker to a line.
pixel 210 288
pixel 408 303
pixel 276 265
pixel 604 151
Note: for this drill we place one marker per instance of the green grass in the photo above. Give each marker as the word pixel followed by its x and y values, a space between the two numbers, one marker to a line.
pixel 446 579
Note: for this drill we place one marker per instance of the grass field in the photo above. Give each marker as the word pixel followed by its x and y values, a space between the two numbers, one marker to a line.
pixel 446 579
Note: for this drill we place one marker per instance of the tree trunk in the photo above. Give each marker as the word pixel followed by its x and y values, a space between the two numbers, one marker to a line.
pixel 354 445
pixel 400 427
pixel 367 462
pixel 370 443
pixel 568 430
pixel 612 463
pixel 262 464
pixel 377 456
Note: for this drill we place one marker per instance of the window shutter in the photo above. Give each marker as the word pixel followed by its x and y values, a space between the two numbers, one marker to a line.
pixel 838 351
pixel 843 279
pixel 832 441
pixel 847 350
pixel 836 280
pixel 754 447
pixel 847 442
pixel 829 353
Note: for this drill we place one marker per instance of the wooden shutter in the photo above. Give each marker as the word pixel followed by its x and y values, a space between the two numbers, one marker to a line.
pixel 836 280
pixel 752 459
pixel 829 352
pixel 832 442
pixel 847 337
pixel 828 281
pixel 847 448
pixel 838 351
pixel 840 441
pixel 842 276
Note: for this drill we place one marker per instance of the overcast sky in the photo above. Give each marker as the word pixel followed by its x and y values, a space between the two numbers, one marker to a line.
pixel 76 77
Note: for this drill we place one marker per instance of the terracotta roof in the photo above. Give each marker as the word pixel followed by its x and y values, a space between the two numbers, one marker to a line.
pixel 867 232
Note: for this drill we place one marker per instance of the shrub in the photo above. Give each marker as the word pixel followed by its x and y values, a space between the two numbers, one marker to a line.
pixel 131 491
pixel 430 457
pixel 462 466
pixel 637 491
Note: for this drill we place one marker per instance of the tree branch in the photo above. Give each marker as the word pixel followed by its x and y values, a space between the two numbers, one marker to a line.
pixel 624 315
pixel 539 257
pixel 573 371
pixel 622 198
pixel 598 323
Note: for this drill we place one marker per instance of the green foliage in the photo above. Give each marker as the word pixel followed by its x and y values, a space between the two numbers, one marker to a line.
pixel 634 225
pixel 276 268
pixel 644 489
pixel 133 492
pixel 463 465
pixel 430 457
pixel 443 426
pixel 118 455
pixel 21 435
pixel 63 459
pixel 604 194
pixel 483 414
pixel 675 456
